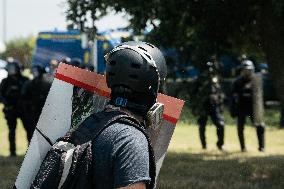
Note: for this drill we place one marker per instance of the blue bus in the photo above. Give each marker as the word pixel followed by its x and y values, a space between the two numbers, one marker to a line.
pixel 57 45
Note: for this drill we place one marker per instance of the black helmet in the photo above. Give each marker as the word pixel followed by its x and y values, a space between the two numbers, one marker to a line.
pixel 77 62
pixel 90 67
pixel 210 67
pixel 66 60
pixel 38 70
pixel 135 71
pixel 247 65
pixel 13 67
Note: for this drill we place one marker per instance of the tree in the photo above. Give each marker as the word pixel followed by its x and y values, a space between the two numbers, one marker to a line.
pixel 20 49
pixel 199 29
pixel 83 14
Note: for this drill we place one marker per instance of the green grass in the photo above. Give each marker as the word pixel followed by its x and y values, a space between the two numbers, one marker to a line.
pixel 187 166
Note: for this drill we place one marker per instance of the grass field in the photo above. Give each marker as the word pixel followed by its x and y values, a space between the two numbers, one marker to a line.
pixel 187 166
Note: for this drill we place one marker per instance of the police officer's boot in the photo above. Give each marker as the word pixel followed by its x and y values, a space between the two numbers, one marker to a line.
pixel 242 139
pixel 202 136
pixel 282 118
pixel 260 135
pixel 12 121
pixel 12 142
pixel 202 127
pixel 220 134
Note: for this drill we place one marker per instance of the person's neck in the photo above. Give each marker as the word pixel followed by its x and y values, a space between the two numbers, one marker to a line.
pixel 138 117
pixel 125 110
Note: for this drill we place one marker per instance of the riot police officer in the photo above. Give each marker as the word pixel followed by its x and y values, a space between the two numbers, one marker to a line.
pixel 77 62
pixel 207 99
pixel 90 67
pixel 242 102
pixel 10 89
pixel 34 94
pixel 282 117
pixel 66 60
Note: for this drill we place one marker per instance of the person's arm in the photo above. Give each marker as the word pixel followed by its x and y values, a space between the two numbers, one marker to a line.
pixel 233 103
pixel 25 91
pixel 139 185
pixel 131 159
pixel 3 89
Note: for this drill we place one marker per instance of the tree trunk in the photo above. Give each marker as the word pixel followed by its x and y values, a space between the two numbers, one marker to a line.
pixel 272 32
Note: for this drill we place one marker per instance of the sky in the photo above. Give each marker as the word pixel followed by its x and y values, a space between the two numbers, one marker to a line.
pixel 28 17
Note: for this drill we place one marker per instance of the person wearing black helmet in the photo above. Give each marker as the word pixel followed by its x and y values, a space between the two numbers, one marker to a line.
pixel 34 94
pixel 130 78
pixel 282 117
pixel 77 62
pixel 243 94
pixel 10 90
pixel 207 99
pixel 120 154
pixel 135 73
pixel 66 60
pixel 90 67
pixel 53 64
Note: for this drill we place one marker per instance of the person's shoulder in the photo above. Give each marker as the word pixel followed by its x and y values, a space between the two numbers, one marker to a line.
pixel 120 137
pixel 4 80
pixel 238 80
pixel 47 78
pixel 119 134
pixel 24 78
pixel 28 81
pixel 122 130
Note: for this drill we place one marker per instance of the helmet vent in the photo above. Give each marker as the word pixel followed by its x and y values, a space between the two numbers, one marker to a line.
pixel 150 45
pixel 142 49
pixel 148 56
pixel 133 76
pixel 112 63
pixel 136 66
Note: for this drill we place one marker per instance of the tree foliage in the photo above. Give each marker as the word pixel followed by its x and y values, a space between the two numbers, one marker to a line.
pixel 199 29
pixel 83 14
pixel 20 49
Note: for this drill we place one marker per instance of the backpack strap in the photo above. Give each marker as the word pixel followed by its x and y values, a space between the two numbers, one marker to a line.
pixel 87 131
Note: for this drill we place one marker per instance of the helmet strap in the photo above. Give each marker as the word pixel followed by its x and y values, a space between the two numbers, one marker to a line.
pixel 125 103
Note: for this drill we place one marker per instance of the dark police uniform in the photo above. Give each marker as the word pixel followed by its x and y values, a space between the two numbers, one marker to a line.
pixel 11 96
pixel 207 101
pixel 282 118
pixel 34 94
pixel 242 93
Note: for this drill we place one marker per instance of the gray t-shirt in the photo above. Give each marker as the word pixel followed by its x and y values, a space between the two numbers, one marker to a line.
pixel 120 157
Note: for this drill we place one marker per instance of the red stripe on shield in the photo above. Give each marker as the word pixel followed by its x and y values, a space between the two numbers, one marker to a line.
pixel 97 83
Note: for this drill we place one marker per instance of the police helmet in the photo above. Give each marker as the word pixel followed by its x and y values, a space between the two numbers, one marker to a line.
pixel 13 67
pixel 77 62
pixel 66 60
pixel 90 67
pixel 210 66
pixel 135 71
pixel 247 65
pixel 38 70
